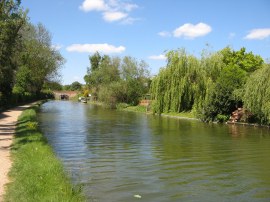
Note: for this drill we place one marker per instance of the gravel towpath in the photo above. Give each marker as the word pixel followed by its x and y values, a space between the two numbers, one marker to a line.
pixel 8 120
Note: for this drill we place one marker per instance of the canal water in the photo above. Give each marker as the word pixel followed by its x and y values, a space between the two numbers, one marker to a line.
pixel 124 156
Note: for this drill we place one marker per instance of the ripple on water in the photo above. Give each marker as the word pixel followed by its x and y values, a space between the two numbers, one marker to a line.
pixel 116 155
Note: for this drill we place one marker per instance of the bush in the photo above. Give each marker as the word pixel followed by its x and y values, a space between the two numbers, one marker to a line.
pixel 222 118
pixel 122 105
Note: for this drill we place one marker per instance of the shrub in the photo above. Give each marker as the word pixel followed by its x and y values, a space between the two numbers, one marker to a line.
pixel 222 118
pixel 122 105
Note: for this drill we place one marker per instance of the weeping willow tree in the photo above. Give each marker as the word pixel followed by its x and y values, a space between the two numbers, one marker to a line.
pixel 257 94
pixel 181 85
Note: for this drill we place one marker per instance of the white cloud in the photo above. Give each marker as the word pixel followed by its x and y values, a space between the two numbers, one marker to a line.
pixel 129 7
pixel 121 5
pixel 111 10
pixel 93 5
pixel 157 57
pixel 192 31
pixel 164 34
pixel 258 34
pixel 92 48
pixel 114 16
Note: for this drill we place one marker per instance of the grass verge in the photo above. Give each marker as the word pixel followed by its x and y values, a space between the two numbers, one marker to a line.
pixel 36 173
pixel 188 115
pixel 136 109
pixel 180 115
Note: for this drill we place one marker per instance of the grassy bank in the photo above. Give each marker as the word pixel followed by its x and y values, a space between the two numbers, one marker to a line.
pixel 36 174
pixel 136 109
pixel 142 109
pixel 189 115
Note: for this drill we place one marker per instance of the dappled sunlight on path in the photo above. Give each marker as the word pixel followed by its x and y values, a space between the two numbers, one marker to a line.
pixel 8 120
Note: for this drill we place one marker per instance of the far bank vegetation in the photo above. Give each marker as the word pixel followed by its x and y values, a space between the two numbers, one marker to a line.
pixel 115 80
pixel 210 87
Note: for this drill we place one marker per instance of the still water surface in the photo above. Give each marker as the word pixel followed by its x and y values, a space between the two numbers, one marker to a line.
pixel 116 155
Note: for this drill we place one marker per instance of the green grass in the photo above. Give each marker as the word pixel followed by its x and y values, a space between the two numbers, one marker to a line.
pixel 181 114
pixel 36 173
pixel 173 114
pixel 136 108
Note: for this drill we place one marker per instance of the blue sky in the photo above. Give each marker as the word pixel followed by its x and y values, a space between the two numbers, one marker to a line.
pixel 145 29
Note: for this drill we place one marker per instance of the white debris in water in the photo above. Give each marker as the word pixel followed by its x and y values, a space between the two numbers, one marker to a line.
pixel 137 196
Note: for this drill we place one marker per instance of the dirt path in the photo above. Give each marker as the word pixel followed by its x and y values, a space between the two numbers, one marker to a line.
pixel 8 121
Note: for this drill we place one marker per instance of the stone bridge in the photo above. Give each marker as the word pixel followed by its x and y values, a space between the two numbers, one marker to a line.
pixel 67 94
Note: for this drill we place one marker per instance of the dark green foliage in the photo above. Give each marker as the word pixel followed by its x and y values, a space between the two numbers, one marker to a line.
pixel 226 93
pixel 52 85
pixel 66 87
pixel 76 86
pixel 222 100
pixel 12 18
pixel 222 118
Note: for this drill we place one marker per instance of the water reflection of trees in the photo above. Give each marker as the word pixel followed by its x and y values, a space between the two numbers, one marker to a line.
pixel 169 156
pixel 205 155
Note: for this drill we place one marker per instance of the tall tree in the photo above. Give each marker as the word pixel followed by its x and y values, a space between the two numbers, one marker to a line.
pixel 12 18
pixel 134 80
pixel 179 86
pixel 95 60
pixel 222 100
pixel 39 62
